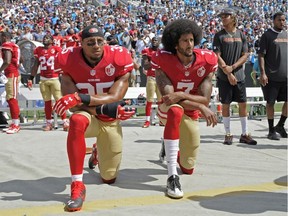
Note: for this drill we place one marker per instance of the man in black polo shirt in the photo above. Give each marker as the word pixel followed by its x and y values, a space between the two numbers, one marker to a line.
pixel 230 45
pixel 273 72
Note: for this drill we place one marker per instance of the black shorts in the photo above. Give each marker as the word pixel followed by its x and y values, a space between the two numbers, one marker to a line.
pixel 275 91
pixel 229 93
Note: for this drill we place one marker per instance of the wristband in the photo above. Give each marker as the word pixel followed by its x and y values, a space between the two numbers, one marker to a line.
pixel 31 77
pixel 85 99
pixel 99 109
pixel 110 109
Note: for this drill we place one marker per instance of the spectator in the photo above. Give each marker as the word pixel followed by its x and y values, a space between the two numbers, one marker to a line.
pixel 126 40
pixel 140 45
pixel 135 74
pixel 39 34
pixel 14 38
pixel 62 30
pixel 146 37
pixel 27 35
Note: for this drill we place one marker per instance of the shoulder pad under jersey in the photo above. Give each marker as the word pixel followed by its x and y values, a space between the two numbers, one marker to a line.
pixel 210 57
pixel 122 56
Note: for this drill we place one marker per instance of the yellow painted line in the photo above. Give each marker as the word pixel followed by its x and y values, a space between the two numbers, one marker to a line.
pixel 93 206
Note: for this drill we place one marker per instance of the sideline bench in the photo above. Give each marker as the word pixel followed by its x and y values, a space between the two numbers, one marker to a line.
pixel 255 100
pixel 29 98
pixel 27 102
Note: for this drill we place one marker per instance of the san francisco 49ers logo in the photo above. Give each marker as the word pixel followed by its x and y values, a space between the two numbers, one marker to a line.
pixel 110 70
pixel 201 71
pixel 93 30
pixel 92 72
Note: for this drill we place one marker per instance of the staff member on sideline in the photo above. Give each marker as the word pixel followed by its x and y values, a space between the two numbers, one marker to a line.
pixel 231 48
pixel 273 72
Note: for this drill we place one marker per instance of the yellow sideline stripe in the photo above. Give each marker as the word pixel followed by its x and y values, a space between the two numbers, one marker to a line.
pixel 92 206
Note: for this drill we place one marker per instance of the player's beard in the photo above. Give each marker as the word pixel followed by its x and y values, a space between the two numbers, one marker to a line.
pixel 188 52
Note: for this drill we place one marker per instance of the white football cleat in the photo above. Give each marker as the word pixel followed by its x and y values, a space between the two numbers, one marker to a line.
pixel 174 187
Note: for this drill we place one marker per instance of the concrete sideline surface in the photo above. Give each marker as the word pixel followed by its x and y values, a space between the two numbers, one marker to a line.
pixel 228 180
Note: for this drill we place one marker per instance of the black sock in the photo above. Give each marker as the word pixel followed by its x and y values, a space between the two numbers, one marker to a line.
pixel 282 121
pixel 271 125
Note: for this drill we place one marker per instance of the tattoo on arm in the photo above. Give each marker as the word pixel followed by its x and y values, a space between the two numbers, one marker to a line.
pixel 163 82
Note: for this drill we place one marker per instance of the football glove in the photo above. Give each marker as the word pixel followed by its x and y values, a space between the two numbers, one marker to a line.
pixel 116 110
pixel 66 102
pixel 29 84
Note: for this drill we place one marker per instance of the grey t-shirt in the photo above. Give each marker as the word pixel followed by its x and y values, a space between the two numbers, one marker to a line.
pixel 274 47
pixel 231 47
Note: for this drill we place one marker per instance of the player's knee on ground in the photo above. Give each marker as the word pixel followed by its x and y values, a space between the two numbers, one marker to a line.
pixel 186 166
pixel 109 176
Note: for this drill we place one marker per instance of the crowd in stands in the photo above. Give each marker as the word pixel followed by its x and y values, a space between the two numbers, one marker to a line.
pixel 132 25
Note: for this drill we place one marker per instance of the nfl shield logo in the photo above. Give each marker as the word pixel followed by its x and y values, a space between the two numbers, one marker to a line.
pixel 187 73
pixel 110 70
pixel 93 72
